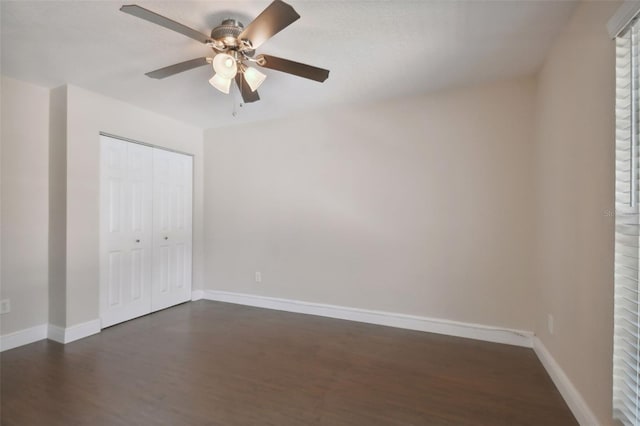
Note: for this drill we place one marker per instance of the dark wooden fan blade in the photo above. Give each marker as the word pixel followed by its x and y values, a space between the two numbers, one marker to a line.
pixel 150 16
pixel 177 68
pixel 276 17
pixel 247 95
pixel 295 68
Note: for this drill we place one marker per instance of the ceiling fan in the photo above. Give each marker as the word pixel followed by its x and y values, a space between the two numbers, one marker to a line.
pixel 234 48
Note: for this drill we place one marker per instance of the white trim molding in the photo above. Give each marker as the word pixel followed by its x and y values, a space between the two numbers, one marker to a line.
pixel 51 332
pixel 23 337
pixel 571 395
pixel 410 322
pixel 623 17
pixel 196 295
pixel 73 333
pixel 55 333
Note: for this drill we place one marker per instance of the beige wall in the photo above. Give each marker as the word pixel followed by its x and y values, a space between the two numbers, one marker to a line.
pixel 58 206
pixel 50 205
pixel 420 206
pixel 87 115
pixel 574 157
pixel 24 196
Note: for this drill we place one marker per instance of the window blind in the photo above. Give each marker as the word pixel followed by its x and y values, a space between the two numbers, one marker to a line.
pixel 626 355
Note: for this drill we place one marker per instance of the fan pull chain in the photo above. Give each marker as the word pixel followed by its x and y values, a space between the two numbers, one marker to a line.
pixel 236 99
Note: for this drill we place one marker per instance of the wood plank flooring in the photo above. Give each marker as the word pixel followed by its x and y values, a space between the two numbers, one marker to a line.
pixel 210 363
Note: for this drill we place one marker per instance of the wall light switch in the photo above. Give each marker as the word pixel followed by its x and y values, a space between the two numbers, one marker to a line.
pixel 258 277
pixel 5 306
pixel 550 323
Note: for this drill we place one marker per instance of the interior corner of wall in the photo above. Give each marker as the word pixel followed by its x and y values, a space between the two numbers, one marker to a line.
pixel 57 204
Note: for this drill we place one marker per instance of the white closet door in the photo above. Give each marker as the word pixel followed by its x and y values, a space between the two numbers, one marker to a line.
pixel 172 209
pixel 126 230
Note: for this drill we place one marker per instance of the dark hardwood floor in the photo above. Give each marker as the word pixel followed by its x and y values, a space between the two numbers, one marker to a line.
pixel 209 363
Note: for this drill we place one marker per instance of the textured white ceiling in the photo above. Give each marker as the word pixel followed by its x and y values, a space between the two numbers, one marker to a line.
pixel 374 49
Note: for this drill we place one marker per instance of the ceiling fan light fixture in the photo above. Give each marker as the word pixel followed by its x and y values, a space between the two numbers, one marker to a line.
pixel 221 83
pixel 225 65
pixel 254 78
pixel 232 44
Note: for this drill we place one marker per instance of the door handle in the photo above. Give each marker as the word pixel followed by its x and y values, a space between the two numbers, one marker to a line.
pixel 166 238
pixel 137 241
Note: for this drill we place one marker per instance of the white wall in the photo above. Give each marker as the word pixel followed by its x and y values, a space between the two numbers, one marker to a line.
pixel 419 206
pixel 575 161
pixel 24 196
pixel 87 115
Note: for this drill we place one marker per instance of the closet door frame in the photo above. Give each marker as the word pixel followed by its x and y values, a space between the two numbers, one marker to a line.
pixel 102 236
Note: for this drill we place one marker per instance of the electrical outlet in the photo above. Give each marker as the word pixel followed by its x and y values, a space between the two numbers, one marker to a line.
pixel 550 323
pixel 258 277
pixel 5 306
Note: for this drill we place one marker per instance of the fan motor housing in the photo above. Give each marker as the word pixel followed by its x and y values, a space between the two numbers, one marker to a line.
pixel 227 32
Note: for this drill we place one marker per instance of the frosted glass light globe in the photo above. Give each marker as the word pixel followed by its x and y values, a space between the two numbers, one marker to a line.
pixel 221 83
pixel 225 65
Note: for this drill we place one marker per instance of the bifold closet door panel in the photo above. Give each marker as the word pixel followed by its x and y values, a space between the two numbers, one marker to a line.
pixel 126 230
pixel 172 233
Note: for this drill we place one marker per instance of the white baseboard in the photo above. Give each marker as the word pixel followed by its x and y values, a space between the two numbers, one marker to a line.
pixel 23 337
pixel 572 397
pixel 49 331
pixel 411 322
pixel 73 333
pixel 196 295
pixel 55 333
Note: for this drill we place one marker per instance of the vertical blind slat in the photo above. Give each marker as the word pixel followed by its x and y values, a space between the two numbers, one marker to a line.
pixel 626 359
